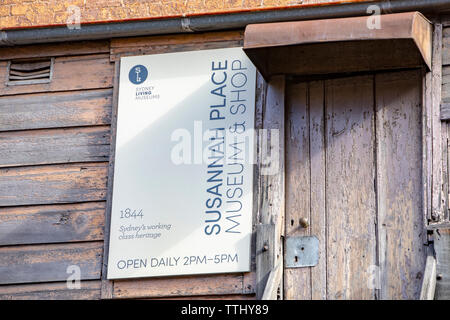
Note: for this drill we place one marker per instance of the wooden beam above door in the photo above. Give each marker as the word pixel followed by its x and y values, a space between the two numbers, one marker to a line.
pixel 355 44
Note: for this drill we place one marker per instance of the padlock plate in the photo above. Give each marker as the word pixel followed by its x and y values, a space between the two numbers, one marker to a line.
pixel 301 252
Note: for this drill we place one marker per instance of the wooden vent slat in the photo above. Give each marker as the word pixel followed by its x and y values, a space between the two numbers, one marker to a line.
pixel 21 73
pixel 30 72
pixel 37 76
pixel 31 66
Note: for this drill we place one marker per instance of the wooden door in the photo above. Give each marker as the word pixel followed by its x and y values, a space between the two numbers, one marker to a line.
pixel 354 170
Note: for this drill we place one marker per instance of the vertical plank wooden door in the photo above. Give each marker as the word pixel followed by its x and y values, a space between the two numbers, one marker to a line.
pixel 354 171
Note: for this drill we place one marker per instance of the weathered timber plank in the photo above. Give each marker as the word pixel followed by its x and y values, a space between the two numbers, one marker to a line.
pixel 89 290
pixel 318 209
pixel 210 297
pixel 272 167
pixel 53 184
pixel 350 175
pixel 175 43
pixel 401 233
pixel 435 89
pixel 159 49
pixel 48 263
pixel 445 110
pixel 442 247
pixel 52 223
pixel 429 277
pixel 446 46
pixel 107 285
pixel 176 39
pixel 54 50
pixel 249 280
pixel 52 146
pixel 343 57
pixel 69 73
pixel 446 90
pixel 179 286
pixel 265 254
pixel 55 110
pixel 297 281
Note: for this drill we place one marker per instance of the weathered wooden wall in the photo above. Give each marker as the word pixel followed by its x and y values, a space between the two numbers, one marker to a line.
pixel 353 169
pixel 442 239
pixel 56 170
pixel 54 148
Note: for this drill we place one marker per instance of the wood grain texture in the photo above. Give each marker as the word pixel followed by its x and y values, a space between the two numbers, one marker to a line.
pixel 53 146
pixel 445 83
pixel 442 247
pixel 175 43
pixel 176 39
pixel 272 206
pixel 54 50
pixel 89 290
pixel 429 277
pixel 42 263
pixel 55 110
pixel 351 207
pixel 210 297
pixel 53 184
pixel 445 111
pixel 401 233
pixel 446 46
pixel 297 281
pixel 434 96
pixel 52 223
pixel 343 57
pixel 69 73
pixel 107 285
pixel 318 178
pixel 265 254
pixel 179 286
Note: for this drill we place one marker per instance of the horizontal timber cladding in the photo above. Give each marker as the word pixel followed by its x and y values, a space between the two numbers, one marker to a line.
pixel 66 145
pixel 181 286
pixel 89 290
pixel 175 43
pixel 54 153
pixel 48 184
pixel 52 223
pixel 54 50
pixel 55 110
pixel 69 73
pixel 49 262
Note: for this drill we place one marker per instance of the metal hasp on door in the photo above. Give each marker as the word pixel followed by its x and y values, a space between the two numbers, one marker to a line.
pixel 301 252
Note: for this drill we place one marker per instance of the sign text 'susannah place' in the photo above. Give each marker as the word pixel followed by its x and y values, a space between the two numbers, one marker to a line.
pixel 183 175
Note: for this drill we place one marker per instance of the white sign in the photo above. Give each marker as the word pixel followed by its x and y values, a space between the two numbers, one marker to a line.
pixel 183 175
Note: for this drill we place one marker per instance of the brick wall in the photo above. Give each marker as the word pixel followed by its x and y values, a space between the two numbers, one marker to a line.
pixel 29 13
